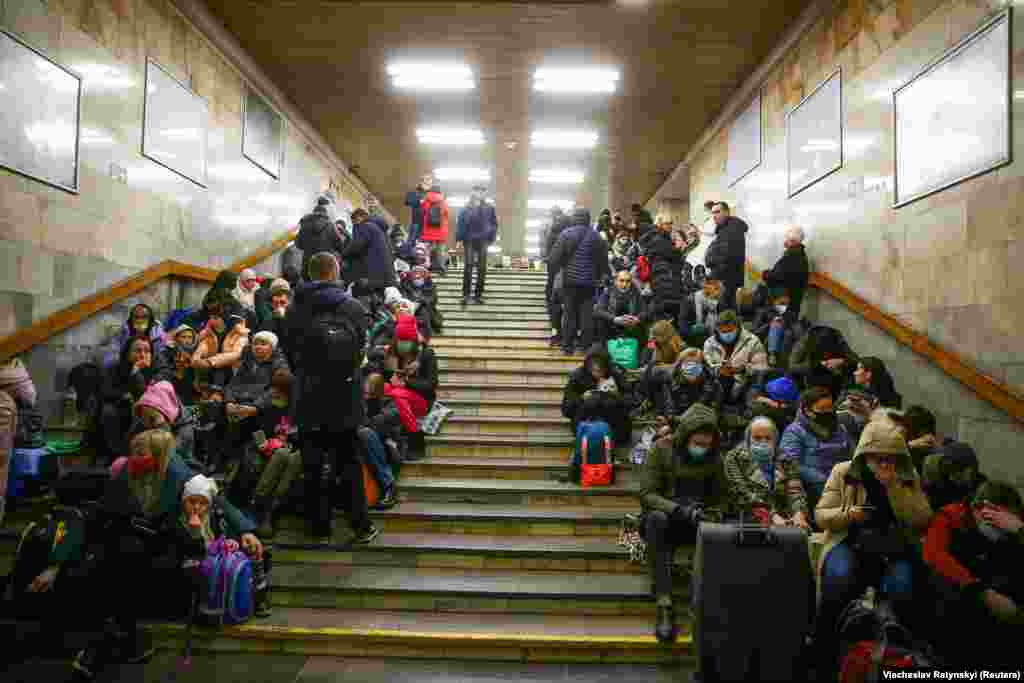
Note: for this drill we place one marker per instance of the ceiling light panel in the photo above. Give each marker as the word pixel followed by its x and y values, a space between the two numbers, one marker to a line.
pixel 431 76
pixel 563 139
pixel 575 80
pixel 450 136
pixel 556 176
pixel 534 223
pixel 460 201
pixel 455 173
pixel 563 204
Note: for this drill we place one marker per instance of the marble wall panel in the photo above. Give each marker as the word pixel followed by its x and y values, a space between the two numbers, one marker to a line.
pixel 945 265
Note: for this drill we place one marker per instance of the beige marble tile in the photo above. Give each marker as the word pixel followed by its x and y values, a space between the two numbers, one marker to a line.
pixel 989 272
pixel 938 232
pixel 35 23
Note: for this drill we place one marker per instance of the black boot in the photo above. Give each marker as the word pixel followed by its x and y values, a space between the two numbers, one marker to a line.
pixel 261 603
pixel 665 628
pixel 263 511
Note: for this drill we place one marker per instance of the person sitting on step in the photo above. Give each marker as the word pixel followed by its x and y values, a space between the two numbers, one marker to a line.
pixel 593 444
pixel 600 378
pixel 684 483
pixel 687 382
pixel 620 311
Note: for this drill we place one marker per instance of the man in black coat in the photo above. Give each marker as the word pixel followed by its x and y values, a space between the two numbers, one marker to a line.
pixel 582 255
pixel 552 294
pixel 329 409
pixel 371 266
pixel 792 271
pixel 666 271
pixel 726 257
pixel 318 233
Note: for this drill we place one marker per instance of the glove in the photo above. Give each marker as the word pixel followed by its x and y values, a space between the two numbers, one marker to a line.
pixel 687 514
pixel 619 320
pixel 762 515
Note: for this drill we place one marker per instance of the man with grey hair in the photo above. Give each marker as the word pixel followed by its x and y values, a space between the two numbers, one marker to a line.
pixel 791 272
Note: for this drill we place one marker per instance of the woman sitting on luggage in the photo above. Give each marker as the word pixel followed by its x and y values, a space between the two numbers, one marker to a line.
pixel 621 311
pixel 873 511
pixel 137 550
pixel 599 378
pixel 123 385
pixel 684 484
pixel 975 550
pixel 763 484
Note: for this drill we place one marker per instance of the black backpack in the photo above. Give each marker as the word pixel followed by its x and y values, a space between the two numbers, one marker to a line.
pixel 434 215
pixel 333 346
pixel 31 430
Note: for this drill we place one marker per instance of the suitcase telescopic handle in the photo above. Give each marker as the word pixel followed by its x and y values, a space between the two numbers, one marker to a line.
pixel 748 534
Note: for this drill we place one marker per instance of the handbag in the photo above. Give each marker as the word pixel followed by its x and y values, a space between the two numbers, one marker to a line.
pixel 625 352
pixel 599 474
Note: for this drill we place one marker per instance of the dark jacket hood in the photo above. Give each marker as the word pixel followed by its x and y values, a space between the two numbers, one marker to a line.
pixel 321 293
pixel 697 418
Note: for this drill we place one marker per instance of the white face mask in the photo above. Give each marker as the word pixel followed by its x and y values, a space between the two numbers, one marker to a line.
pixel 781 308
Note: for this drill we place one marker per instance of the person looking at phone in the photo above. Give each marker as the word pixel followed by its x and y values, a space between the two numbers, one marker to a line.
pixel 872 509
pixel 736 356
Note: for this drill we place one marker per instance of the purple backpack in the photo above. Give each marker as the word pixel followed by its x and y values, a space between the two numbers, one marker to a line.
pixel 229 591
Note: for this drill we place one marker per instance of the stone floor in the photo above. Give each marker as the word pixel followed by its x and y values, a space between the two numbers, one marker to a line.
pixel 235 668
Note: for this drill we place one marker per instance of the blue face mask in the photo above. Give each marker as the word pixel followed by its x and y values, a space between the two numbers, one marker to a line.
pixel 761 450
pixel 698 453
pixel 693 370
pixel 728 337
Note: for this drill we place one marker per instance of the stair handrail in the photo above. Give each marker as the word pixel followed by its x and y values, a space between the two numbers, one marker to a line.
pixel 984 386
pixel 38 332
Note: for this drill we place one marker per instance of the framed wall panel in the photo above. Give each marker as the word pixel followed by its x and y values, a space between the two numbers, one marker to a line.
pixel 952 121
pixel 745 146
pixel 262 134
pixel 40 115
pixel 175 120
pixel 814 135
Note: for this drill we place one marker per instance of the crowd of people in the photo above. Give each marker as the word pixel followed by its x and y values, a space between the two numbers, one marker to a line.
pixel 302 388
pixel 760 414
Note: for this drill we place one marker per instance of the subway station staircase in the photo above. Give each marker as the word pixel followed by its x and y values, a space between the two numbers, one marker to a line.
pixel 487 556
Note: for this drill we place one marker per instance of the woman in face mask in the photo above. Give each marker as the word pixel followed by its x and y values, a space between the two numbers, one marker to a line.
pixel 762 484
pixel 816 441
pixel 872 511
pixel 975 548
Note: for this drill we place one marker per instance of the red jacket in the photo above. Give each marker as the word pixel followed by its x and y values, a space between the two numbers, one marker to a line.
pixel 433 233
pixel 937 541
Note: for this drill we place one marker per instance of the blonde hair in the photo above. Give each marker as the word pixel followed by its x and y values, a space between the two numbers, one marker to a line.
pixel 156 442
pixel 667 342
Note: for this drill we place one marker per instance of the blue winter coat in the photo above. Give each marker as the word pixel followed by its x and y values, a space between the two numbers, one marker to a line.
pixel 368 254
pixel 477 223
pixel 583 255
pixel 816 457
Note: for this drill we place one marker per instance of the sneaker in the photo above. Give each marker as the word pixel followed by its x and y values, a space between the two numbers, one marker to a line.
pixel 387 501
pixel 568 350
pixel 261 606
pixel 479 300
pixel 366 535
pixel 86 663
pixel 465 301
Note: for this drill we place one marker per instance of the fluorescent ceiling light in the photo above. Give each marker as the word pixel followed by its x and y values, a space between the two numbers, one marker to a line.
pixel 427 76
pixel 95 136
pixel 563 204
pixel 563 139
pixel 556 175
pixel 452 173
pixel 533 250
pixel 494 249
pixel 582 80
pixel 534 223
pixel 533 238
pixel 450 136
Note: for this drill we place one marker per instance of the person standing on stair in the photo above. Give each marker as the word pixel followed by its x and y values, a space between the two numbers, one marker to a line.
pixel 583 257
pixel 476 230
pixel 726 257
pixel 684 484
pixel 435 228
pixel 330 329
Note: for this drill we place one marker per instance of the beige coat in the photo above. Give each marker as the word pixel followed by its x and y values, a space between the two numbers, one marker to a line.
pixel 230 353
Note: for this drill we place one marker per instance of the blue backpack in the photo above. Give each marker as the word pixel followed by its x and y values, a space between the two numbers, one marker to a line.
pixel 229 589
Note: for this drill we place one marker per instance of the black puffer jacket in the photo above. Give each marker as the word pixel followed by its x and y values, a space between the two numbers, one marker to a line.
pixel 666 265
pixel 317 234
pixel 726 256
pixel 615 303
pixel 369 254
pixel 792 271
pixel 583 255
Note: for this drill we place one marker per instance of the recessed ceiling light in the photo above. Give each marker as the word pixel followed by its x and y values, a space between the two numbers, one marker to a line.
pixel 563 139
pixel 534 223
pixel 431 76
pixel 556 175
pixel 459 202
pixel 575 80
pixel 450 136
pixel 455 173
pixel 494 249
pixel 533 238
pixel 563 204
pixel 533 250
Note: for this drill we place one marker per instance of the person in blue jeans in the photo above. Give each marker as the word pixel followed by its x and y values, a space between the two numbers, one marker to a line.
pixel 377 460
pixel 872 511
pixel 593 439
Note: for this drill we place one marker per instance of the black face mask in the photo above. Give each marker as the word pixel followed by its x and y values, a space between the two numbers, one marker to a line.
pixel 824 420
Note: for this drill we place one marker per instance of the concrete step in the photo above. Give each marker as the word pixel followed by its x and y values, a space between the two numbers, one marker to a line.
pixel 546 493
pixel 516 469
pixel 500 520
pixel 377 632
pixel 486 447
pixel 492 287
pixel 506 408
pixel 456 551
pixel 506 361
pixel 505 426
pixel 506 300
pixel 485 322
pixel 474 313
pixel 501 275
pixel 483 310
pixel 496 335
pixel 532 377
pixel 484 342
pixel 459 389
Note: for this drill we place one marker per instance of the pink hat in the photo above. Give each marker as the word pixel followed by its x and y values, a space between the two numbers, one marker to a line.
pixel 160 396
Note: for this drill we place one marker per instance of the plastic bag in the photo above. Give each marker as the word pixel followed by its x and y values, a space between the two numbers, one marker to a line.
pixel 625 352
pixel 638 454
pixel 432 421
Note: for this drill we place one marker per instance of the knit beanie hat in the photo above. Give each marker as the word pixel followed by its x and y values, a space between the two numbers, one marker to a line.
pixel 160 397
pixel 405 328
pixel 782 389
pixel 392 295
pixel 200 486
pixel 266 336
pixel 280 285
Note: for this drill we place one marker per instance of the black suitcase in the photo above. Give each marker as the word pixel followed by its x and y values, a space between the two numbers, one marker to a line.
pixel 753 602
